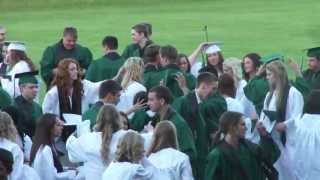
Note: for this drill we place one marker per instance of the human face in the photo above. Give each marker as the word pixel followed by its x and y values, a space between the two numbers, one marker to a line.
pixel 183 64
pixel 213 59
pixel 136 36
pixel 73 71
pixel 2 36
pixel 271 79
pixel 69 41
pixel 248 65
pixel 314 64
pixel 205 90
pixel 241 129
pixel 57 129
pixel 163 61
pixel 116 97
pixel 29 91
pixel 153 102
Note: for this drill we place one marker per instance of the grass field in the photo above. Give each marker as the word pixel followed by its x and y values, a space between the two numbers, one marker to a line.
pixel 286 26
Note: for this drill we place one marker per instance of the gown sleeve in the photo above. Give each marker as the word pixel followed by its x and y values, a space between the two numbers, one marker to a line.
pixel 75 147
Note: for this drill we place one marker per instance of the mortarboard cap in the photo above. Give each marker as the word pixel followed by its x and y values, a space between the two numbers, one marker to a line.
pixel 213 48
pixel 314 52
pixel 20 46
pixel 27 77
pixel 272 57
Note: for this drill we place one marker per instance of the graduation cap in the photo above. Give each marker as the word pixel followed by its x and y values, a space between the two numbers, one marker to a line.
pixel 213 48
pixel 272 57
pixel 27 77
pixel 15 45
pixel 313 52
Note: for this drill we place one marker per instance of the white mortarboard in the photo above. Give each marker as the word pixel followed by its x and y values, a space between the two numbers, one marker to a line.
pixel 17 46
pixel 214 48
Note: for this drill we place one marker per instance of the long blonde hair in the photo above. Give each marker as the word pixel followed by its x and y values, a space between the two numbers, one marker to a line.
pixel 280 73
pixel 164 136
pixel 108 122
pixel 7 128
pixel 130 148
pixel 134 69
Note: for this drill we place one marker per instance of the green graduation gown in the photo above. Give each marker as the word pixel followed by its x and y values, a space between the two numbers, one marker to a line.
pixel 211 110
pixel 134 50
pixel 5 99
pixel 170 72
pixel 104 68
pixel 139 120
pixel 30 111
pixel 53 54
pixel 245 162
pixel 188 107
pixel 152 76
pixel 92 113
pixel 313 78
pixel 256 91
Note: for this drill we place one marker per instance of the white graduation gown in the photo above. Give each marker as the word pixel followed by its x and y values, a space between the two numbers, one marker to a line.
pixel 29 173
pixel 131 171
pixel 26 147
pixel 294 109
pixel 127 96
pixel 43 164
pixel 170 158
pixel 240 93
pixel 17 170
pixel 12 86
pixel 195 69
pixel 234 105
pixel 51 100
pixel 87 149
pixel 307 147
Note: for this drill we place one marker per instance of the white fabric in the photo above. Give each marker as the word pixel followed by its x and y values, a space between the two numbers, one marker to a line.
pixel 17 46
pixel 87 149
pixel 29 173
pixel 26 147
pixel 234 105
pixel 240 93
pixel 43 164
pixel 12 86
pixel 127 96
pixel 17 170
pixel 131 171
pixel 307 147
pixel 195 69
pixel 170 158
pixel 248 107
pixel 213 49
pixel 294 109
pixel 51 100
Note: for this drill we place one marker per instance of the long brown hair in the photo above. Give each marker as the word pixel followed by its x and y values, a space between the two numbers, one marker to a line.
pixel 226 85
pixel 7 128
pixel 62 80
pixel 43 134
pixel 164 136
pixel 108 122
pixel 17 56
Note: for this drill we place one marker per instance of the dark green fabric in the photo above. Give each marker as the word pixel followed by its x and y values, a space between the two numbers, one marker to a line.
pixel 256 91
pixel 222 166
pixel 212 109
pixel 139 120
pixel 104 68
pixel 152 76
pixel 92 113
pixel 5 99
pixel 53 54
pixel 302 85
pixel 31 113
pixel 134 50
pixel 312 78
pixel 188 107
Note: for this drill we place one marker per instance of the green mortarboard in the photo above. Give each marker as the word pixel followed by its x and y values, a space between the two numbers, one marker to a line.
pixel 313 52
pixel 272 57
pixel 27 77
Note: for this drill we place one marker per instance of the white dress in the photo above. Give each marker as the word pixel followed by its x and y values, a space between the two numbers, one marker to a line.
pixel 43 164
pixel 131 171
pixel 294 109
pixel 51 100
pixel 17 170
pixel 12 86
pixel 87 148
pixel 170 158
pixel 307 147
pixel 127 95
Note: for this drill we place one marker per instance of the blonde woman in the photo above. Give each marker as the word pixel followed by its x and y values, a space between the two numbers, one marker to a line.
pixel 164 153
pixel 8 134
pixel 283 103
pixel 97 149
pixel 131 82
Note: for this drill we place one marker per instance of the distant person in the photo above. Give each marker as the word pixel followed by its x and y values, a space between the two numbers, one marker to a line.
pixel 108 65
pixel 67 47
pixel 3 32
pixel 140 37
pixel 6 163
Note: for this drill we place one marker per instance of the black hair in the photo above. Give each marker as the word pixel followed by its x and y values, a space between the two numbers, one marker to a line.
pixel 162 92
pixel 109 86
pixel 111 42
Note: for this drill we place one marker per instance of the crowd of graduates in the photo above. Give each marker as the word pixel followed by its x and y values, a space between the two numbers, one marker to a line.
pixel 155 113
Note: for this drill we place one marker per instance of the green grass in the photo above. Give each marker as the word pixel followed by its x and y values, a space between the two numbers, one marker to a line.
pixel 286 26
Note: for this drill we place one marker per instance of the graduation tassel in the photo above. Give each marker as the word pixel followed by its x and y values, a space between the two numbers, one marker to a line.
pixel 205 29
